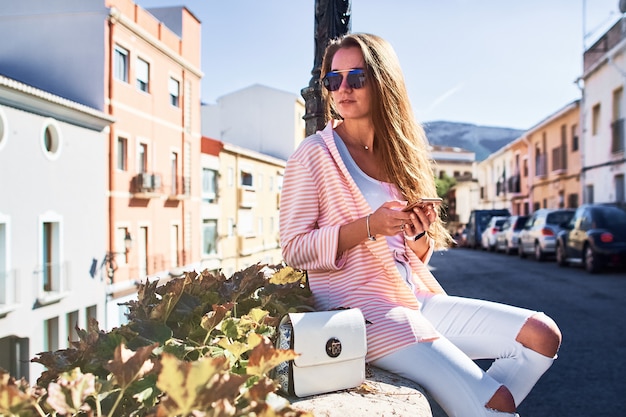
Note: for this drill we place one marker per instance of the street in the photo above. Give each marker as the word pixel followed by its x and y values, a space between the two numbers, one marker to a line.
pixel 589 377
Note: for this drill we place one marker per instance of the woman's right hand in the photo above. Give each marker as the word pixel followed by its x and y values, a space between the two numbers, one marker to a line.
pixel 389 219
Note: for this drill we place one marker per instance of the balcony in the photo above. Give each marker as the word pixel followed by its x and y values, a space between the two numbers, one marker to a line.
pixel 51 283
pixel 247 198
pixel 513 184
pixel 9 292
pixel 179 189
pixel 146 185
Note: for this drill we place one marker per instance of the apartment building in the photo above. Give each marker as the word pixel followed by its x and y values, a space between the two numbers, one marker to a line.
pixel 258 118
pixel 460 164
pixel 554 158
pixel 604 111
pixel 53 222
pixel 142 68
pixel 240 207
pixel 541 169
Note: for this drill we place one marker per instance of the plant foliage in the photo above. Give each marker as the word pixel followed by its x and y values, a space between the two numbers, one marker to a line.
pixel 199 345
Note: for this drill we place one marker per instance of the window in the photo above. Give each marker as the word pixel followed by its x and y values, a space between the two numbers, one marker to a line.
pixel 51 139
pixel 595 119
pixel 122 154
pixel 174 88
pixel 619 188
pixel 142 73
pixel 209 185
pixel 174 174
pixel 589 194
pixel 209 237
pixel 245 226
pixel 8 279
pixel 15 356
pixel 246 179
pixel 72 322
pixel 574 138
pixel 142 158
pixel 120 63
pixel 51 334
pixel 51 270
pixel 121 234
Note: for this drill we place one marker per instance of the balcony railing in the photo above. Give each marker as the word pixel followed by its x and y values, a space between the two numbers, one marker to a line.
pixel 146 185
pixel 617 136
pixel 51 282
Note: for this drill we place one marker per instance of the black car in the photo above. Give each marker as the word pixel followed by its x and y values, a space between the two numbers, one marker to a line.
pixel 594 238
pixel 478 222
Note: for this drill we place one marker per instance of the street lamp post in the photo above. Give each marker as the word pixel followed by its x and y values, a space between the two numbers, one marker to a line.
pixel 109 260
pixel 332 20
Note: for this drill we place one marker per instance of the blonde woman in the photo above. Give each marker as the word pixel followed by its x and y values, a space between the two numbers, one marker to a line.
pixel 342 220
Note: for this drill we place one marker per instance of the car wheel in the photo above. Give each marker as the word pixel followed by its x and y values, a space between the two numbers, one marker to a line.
pixel 561 256
pixel 507 248
pixel 539 255
pixel 520 250
pixel 592 263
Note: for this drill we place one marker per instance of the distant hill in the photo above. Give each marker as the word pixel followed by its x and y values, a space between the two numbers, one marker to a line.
pixel 482 140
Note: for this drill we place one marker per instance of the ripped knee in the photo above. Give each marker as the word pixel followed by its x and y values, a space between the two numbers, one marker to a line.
pixel 502 400
pixel 541 334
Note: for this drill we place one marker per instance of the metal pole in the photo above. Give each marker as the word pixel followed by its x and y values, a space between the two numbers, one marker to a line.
pixel 332 20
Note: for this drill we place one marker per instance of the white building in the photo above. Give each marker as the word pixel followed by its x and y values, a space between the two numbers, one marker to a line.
pixel 52 222
pixel 603 113
pixel 258 118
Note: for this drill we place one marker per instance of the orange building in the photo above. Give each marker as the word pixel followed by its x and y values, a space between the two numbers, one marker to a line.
pixel 142 68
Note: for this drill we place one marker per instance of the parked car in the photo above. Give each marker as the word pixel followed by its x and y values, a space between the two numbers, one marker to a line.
pixel 594 238
pixel 478 221
pixel 488 238
pixel 507 238
pixel 538 236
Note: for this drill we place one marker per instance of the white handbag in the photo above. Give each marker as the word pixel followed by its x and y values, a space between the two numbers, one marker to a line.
pixel 331 345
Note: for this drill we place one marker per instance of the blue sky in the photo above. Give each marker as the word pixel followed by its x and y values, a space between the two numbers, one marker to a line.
pixel 488 62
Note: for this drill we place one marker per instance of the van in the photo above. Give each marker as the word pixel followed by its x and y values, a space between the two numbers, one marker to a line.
pixel 477 223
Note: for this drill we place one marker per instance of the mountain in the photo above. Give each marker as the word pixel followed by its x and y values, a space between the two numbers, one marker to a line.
pixel 482 140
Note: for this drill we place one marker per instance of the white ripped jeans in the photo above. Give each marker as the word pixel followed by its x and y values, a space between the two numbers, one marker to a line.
pixel 471 329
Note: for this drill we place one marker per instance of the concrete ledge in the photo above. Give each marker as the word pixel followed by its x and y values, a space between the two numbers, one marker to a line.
pixel 382 395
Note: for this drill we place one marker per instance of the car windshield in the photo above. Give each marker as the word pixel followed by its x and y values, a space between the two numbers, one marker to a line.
pixel 519 225
pixel 559 217
pixel 500 222
pixel 609 217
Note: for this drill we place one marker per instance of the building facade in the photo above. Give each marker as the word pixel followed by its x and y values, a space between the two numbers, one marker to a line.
pixel 603 114
pixel 143 69
pixel 240 206
pixel 52 222
pixel 258 118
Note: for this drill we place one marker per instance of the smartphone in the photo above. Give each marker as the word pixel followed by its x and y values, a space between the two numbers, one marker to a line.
pixel 422 201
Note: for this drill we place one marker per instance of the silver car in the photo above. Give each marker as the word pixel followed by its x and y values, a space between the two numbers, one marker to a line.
pixel 488 237
pixel 507 239
pixel 538 236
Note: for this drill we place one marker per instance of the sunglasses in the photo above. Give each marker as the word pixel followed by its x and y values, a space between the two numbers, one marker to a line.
pixel 356 79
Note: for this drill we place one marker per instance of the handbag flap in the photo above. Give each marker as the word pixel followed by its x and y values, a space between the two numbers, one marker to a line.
pixel 322 337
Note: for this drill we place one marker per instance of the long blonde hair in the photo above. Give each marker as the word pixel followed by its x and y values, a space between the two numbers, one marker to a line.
pixel 400 141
